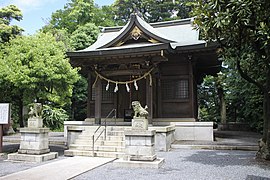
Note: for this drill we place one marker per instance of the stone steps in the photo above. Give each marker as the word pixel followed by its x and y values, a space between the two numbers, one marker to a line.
pixel 113 146
pixel 75 152
pixel 109 154
pixel 97 148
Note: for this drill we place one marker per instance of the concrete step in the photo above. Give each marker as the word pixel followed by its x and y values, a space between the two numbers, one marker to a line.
pixel 113 143
pixel 115 133
pixel 83 141
pixel 118 128
pixel 97 148
pixel 216 147
pixel 80 147
pixel 115 138
pixel 110 154
pixel 72 152
pixel 109 149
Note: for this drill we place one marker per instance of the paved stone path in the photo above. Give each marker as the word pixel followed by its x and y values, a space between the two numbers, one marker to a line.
pixel 60 170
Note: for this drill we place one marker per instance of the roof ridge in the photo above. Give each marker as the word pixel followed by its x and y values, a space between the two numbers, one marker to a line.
pixel 154 25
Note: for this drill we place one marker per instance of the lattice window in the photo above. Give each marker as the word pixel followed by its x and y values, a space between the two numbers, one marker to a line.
pixel 106 95
pixel 174 89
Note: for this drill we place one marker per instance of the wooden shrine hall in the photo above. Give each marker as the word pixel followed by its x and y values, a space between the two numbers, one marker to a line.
pixel 158 64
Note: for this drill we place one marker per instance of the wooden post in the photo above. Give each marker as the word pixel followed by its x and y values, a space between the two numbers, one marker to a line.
pixel 1 138
pixel 149 99
pixel 98 99
pixel 191 90
pixel 89 95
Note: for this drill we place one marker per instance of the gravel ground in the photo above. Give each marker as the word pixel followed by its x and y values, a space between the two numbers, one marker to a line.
pixel 191 164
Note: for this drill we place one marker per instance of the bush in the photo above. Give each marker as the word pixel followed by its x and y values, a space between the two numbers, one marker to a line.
pixel 54 118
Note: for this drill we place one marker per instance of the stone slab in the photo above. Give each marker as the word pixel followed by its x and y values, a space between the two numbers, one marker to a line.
pixel 139 164
pixel 32 158
pixel 34 130
pixel 140 132
pixel 139 140
pixel 142 157
pixel 162 128
pixel 33 151
pixel 194 131
pixel 139 124
pixel 35 122
pixel 140 150
pixel 67 168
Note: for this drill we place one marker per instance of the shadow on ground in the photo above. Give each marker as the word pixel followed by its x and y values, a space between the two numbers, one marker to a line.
pixel 12 148
pixel 228 158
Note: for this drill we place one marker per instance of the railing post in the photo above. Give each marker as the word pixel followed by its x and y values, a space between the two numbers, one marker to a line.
pixel 93 150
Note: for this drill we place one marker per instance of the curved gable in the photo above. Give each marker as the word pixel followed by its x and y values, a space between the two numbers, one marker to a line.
pixel 137 30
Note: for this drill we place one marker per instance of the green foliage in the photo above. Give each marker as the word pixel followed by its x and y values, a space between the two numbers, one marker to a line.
pixel 151 10
pixel 79 99
pixel 84 36
pixel 208 100
pixel 242 28
pixel 54 118
pixel 74 14
pixel 36 66
pixel 104 16
pixel 7 31
pixel 61 35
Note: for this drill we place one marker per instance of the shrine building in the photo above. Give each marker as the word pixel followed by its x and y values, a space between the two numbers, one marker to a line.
pixel 158 64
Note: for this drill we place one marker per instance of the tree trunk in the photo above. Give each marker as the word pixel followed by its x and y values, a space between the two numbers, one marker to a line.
pixel 264 143
pixel 222 103
pixel 21 111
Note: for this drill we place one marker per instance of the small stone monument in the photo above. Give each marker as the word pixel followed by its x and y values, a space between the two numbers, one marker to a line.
pixel 140 142
pixel 34 145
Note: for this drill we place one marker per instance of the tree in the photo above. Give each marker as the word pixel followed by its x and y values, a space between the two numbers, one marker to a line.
pixel 74 14
pixel 84 36
pixel 242 28
pixel 151 10
pixel 37 69
pixel 7 31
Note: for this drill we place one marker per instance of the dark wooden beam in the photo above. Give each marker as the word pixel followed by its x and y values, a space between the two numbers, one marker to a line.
pixel 89 94
pixel 149 99
pixel 98 99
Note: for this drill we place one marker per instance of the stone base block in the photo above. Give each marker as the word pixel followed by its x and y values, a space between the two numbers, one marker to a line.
pixel 139 124
pixel 33 151
pixel 140 158
pixel 35 122
pixel 139 164
pixel 34 139
pixel 32 158
pixel 194 131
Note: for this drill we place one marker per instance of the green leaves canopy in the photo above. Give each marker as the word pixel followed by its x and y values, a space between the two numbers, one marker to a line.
pixel 151 10
pixel 7 31
pixel 36 65
pixel 84 36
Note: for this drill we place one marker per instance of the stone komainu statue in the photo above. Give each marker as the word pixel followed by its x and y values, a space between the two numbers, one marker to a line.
pixel 35 110
pixel 139 111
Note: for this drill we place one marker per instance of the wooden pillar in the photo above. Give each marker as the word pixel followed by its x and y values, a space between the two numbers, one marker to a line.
pixel 149 99
pixel 98 99
pixel 89 95
pixel 191 91
pixel 1 138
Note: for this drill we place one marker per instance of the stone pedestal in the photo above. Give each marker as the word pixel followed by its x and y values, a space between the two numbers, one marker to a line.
pixel 35 122
pixel 140 147
pixel 34 145
pixel 139 124
pixel 34 141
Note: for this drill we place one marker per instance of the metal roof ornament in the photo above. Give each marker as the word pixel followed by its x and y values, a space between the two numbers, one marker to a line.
pixel 136 33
